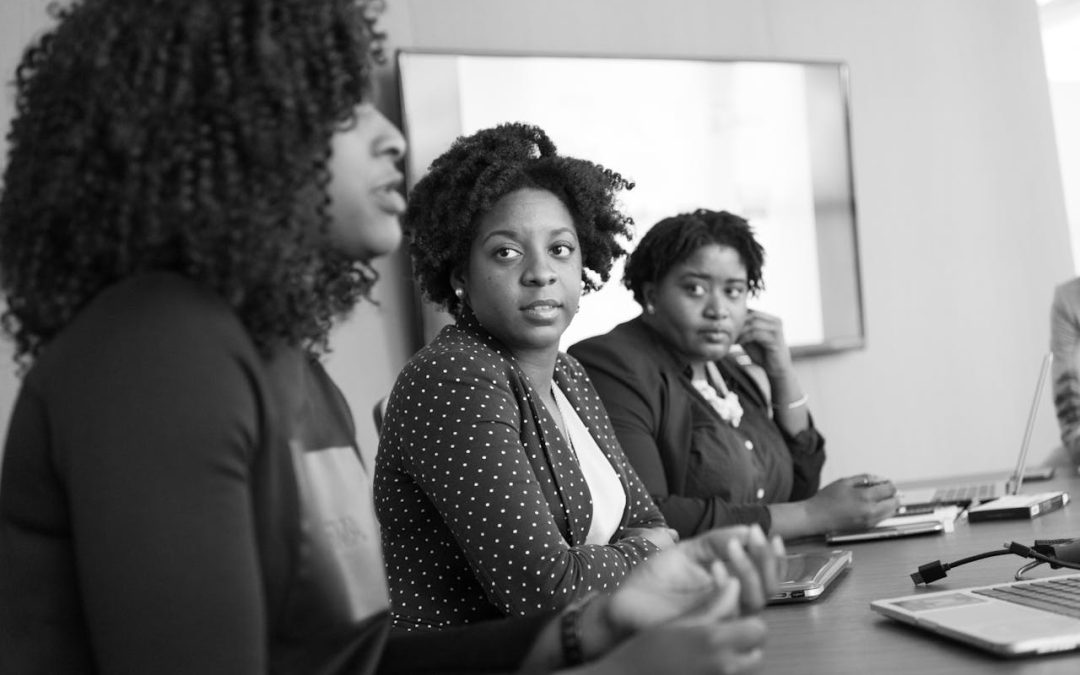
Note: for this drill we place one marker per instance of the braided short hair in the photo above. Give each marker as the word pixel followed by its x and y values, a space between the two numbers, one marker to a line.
pixel 674 239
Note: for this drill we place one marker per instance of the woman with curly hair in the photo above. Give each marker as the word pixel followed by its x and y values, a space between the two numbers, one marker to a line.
pixel 193 192
pixel 499 484
pixel 713 448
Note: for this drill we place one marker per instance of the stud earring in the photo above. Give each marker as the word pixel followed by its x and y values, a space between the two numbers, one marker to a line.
pixel 649 309
pixel 460 293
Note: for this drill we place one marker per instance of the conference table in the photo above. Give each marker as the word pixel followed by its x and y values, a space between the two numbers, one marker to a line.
pixel 839 633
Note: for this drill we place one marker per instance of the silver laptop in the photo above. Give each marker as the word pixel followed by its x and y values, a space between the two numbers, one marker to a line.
pixel 968 493
pixel 1013 619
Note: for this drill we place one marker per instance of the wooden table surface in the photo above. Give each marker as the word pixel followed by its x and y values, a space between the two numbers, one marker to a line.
pixel 839 633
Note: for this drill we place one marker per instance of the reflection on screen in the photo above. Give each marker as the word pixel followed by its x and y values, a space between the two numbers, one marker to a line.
pixel 803 567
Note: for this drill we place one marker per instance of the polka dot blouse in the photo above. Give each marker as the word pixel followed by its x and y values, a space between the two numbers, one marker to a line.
pixel 482 505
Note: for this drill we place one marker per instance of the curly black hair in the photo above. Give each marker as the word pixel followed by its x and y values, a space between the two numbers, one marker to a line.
pixel 184 135
pixel 675 239
pixel 466 181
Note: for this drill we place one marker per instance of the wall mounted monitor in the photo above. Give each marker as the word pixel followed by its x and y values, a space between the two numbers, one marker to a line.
pixel 768 140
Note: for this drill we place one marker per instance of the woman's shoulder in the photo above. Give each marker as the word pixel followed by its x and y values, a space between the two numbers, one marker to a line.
pixel 459 355
pixel 155 338
pixel 570 368
pixel 628 346
pixel 152 315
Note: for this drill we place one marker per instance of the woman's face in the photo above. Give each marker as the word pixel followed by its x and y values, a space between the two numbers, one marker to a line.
pixel 523 277
pixel 700 304
pixel 365 203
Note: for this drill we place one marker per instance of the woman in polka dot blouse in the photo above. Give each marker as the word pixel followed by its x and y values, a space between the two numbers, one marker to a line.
pixel 500 486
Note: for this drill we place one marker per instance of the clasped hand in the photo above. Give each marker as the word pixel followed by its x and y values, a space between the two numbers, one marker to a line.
pixel 692 607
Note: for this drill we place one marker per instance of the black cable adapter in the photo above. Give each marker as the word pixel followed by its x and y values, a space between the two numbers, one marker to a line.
pixel 1067 550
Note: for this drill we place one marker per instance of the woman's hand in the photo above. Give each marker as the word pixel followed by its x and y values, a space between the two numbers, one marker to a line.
pixel 762 338
pixel 692 575
pixel 709 639
pixel 686 609
pixel 853 503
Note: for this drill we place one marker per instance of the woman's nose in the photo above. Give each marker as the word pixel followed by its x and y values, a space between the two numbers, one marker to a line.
pixel 389 141
pixel 538 273
pixel 716 306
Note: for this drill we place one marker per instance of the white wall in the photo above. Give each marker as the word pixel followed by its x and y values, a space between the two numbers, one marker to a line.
pixel 961 220
pixel 1061 46
pixel 20 20
pixel 962 225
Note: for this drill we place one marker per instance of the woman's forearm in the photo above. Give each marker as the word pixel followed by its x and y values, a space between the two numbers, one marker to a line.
pixel 789 402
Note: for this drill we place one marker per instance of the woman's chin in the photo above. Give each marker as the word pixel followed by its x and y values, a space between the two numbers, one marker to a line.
pixel 715 351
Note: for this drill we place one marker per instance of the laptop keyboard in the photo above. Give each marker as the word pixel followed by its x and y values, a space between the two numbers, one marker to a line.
pixel 1060 596
pixel 975 492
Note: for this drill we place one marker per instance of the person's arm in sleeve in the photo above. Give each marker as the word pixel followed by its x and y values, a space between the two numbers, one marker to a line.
pixel 643 513
pixel 473 468
pixel 635 418
pixel 494 646
pixel 1065 345
pixel 652 621
pixel 807 450
pixel 157 479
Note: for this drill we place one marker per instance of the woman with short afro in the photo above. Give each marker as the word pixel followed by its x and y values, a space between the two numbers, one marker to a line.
pixel 499 483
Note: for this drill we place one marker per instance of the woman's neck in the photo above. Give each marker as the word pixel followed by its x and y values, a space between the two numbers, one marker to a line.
pixel 698 371
pixel 539 367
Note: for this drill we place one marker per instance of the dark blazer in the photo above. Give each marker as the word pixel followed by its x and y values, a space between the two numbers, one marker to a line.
pixel 702 472
pixel 483 507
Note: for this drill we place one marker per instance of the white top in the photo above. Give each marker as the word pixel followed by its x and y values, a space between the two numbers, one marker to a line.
pixel 608 495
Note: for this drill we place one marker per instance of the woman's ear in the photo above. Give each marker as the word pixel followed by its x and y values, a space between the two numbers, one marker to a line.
pixel 648 297
pixel 457 282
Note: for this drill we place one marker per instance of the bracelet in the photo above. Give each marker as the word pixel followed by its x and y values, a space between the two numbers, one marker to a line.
pixel 801 401
pixel 570 632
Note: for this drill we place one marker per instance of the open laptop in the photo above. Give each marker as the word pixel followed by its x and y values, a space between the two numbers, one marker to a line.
pixel 966 493
pixel 1013 619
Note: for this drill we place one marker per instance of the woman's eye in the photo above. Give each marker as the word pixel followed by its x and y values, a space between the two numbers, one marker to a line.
pixel 505 253
pixel 562 250
pixel 347 124
pixel 695 290
pixel 735 292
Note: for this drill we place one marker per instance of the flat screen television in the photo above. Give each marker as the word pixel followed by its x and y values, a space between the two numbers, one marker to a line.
pixel 768 140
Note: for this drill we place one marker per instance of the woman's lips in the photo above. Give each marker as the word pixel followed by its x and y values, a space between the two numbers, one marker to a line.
pixel 389 199
pixel 715 335
pixel 542 309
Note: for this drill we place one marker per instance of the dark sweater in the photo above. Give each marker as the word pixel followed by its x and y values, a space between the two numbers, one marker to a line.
pixel 172 502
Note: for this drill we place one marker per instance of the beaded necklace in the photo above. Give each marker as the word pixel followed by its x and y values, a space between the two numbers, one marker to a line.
pixel 724 402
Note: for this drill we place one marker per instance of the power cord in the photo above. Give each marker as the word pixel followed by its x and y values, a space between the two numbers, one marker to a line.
pixel 1019 576
pixel 1054 552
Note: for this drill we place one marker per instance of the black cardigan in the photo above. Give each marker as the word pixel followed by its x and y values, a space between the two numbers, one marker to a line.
pixel 702 472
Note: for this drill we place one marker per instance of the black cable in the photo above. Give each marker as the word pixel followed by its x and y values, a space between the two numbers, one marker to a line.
pixel 1062 553
pixel 933 571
